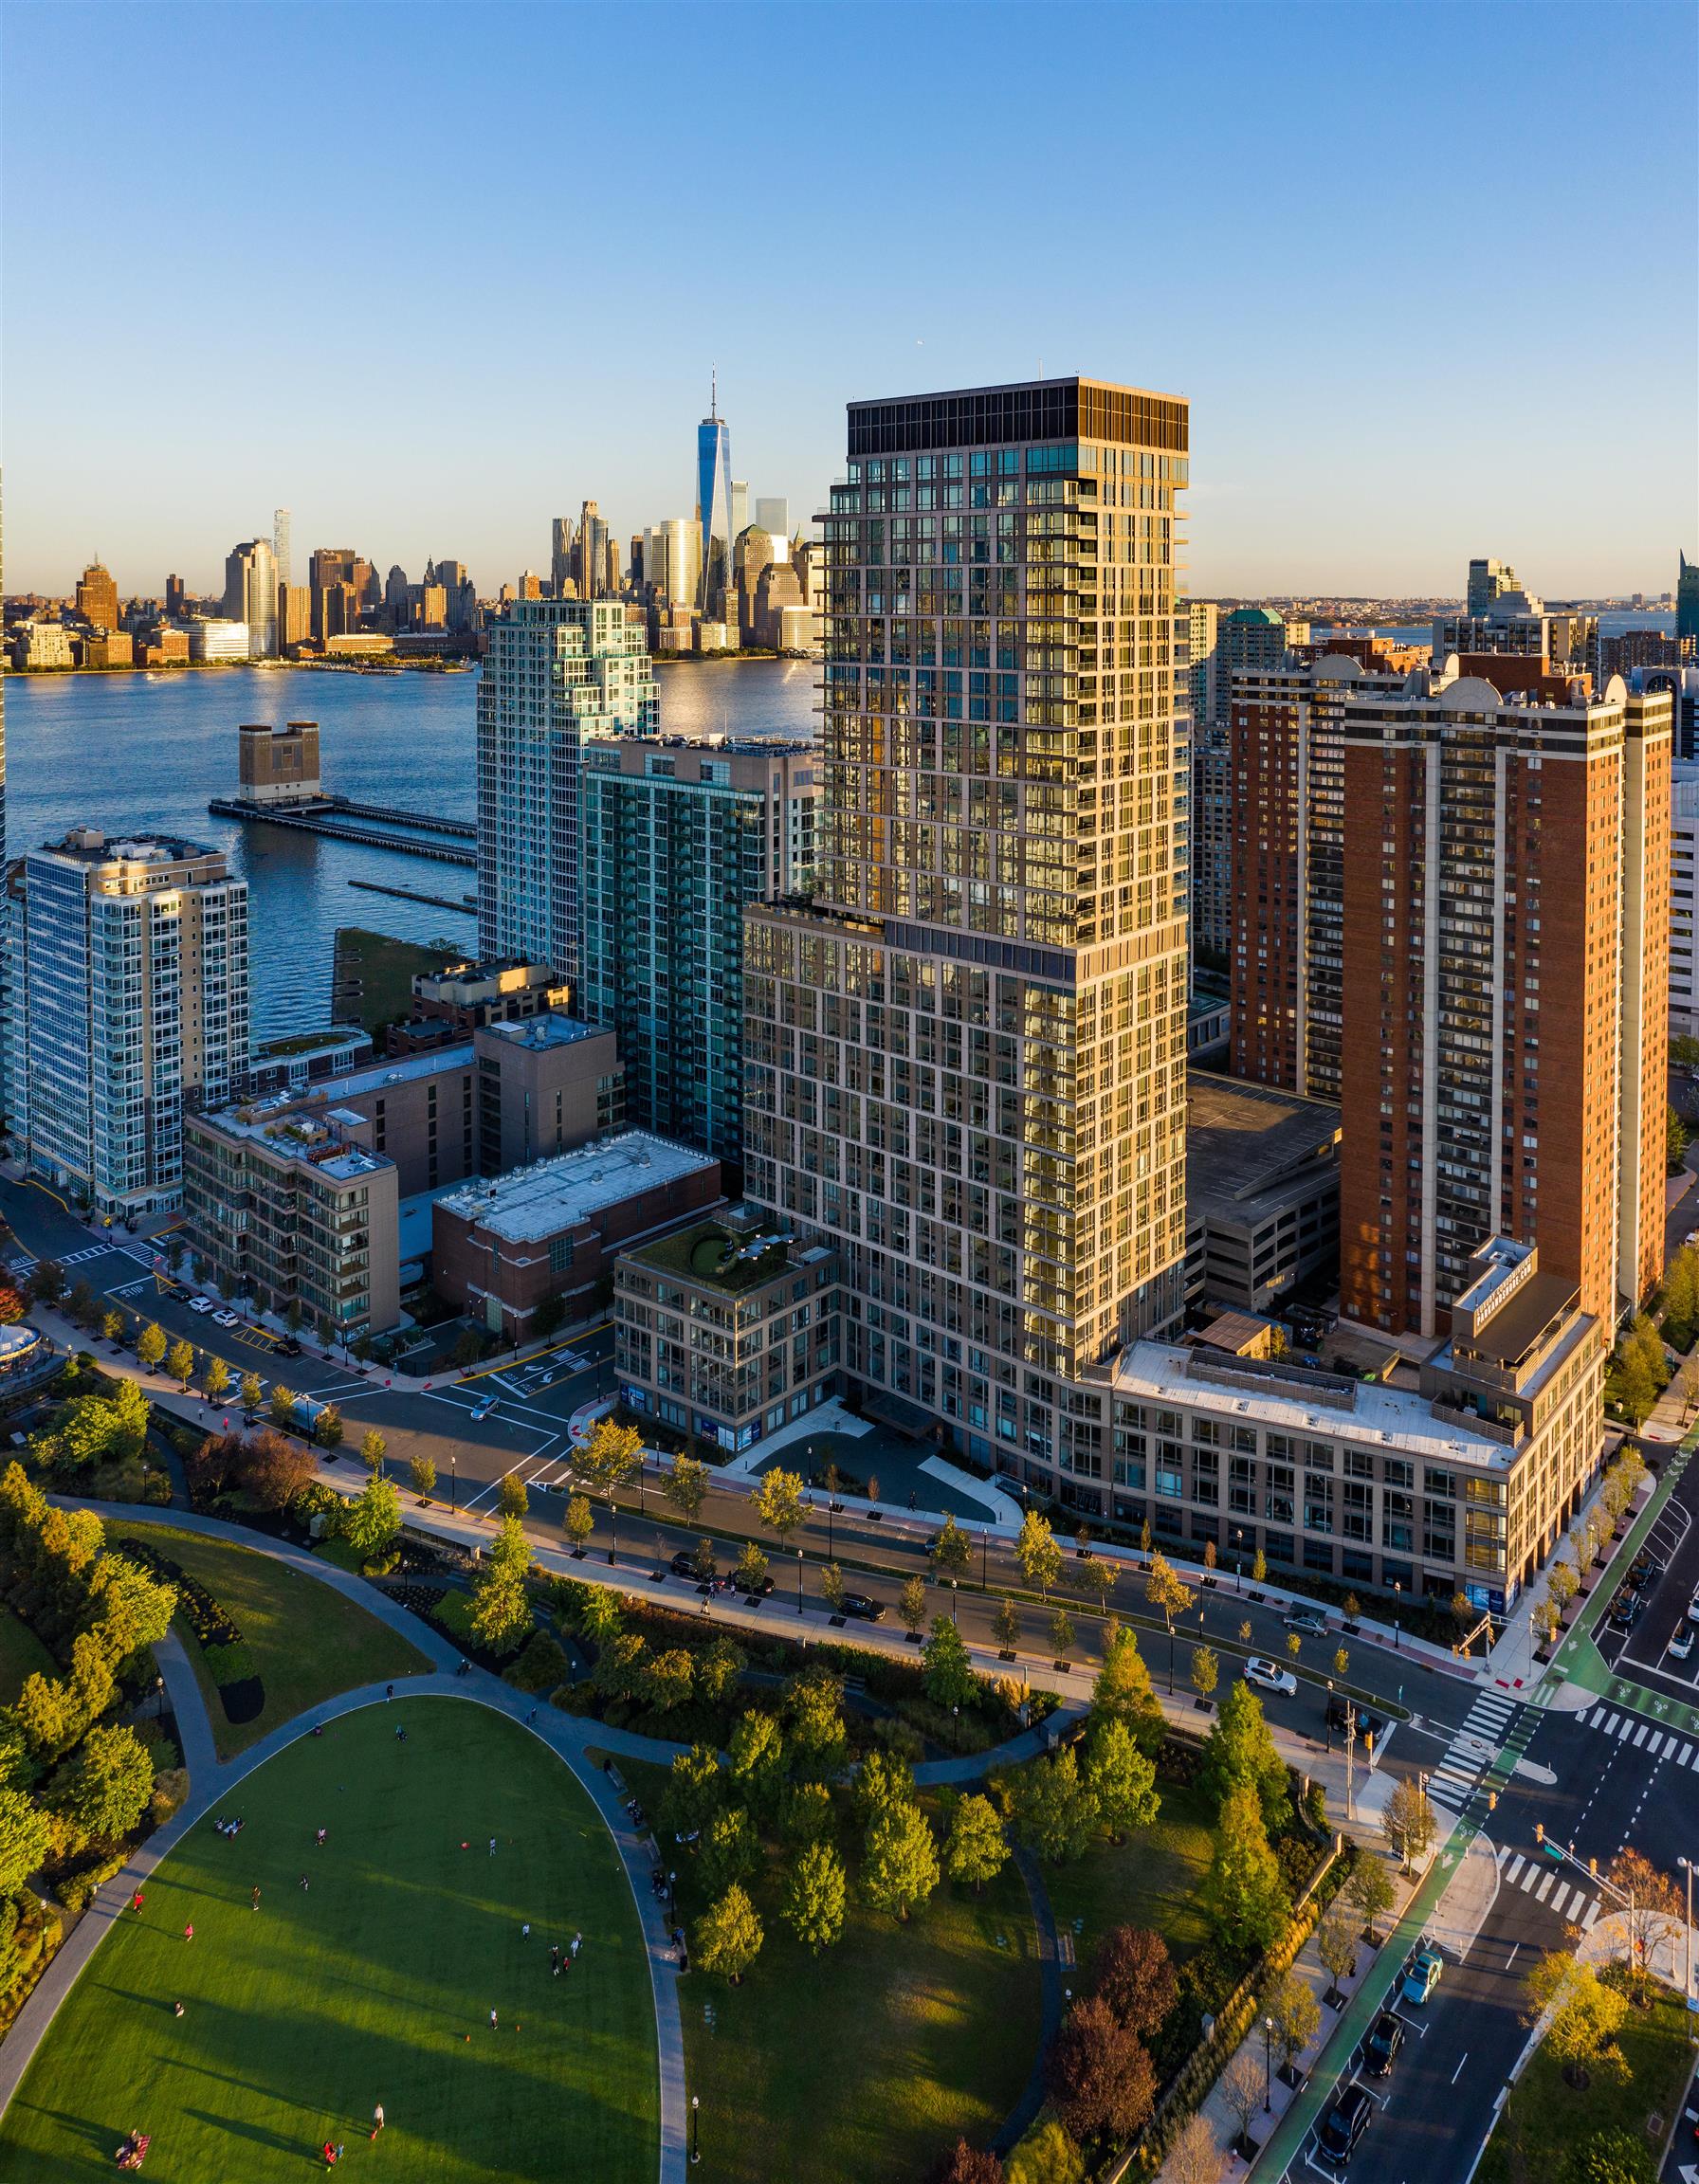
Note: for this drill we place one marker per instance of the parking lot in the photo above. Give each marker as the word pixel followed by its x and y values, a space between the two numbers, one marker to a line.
pixel 1660 1646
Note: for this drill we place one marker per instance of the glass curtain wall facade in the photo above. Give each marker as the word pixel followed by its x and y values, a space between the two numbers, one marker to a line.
pixel 714 508
pixel 966 1062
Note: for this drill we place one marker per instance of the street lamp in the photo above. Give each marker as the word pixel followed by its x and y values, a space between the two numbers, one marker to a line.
pixel 1397 1592
pixel 984 1556
pixel 1238 1555
pixel 799 1580
pixel 159 1698
pixel 1267 2066
pixel 613 1528
pixel 695 2129
pixel 1327 1716
pixel 1687 1867
pixel 953 1615
pixel 453 1480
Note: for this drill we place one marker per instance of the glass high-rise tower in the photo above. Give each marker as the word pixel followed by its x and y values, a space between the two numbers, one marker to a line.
pixel 965 1064
pixel 714 504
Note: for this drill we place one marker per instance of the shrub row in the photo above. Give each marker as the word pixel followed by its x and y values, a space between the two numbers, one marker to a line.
pixel 210 1621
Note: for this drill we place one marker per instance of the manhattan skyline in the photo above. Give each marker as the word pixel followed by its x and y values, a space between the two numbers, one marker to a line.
pixel 452 352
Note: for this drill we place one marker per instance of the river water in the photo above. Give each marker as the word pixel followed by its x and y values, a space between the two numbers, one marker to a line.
pixel 136 756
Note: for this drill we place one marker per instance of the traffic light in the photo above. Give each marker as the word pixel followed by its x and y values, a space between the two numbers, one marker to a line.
pixel 1540 1833
pixel 1492 1800
pixel 1592 1867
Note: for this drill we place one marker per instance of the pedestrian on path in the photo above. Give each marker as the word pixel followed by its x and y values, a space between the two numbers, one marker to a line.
pixel 389 1690
pixel 136 1901
pixel 378 2119
pixel 189 1931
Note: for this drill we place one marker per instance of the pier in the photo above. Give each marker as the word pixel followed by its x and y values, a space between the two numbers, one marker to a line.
pixel 375 825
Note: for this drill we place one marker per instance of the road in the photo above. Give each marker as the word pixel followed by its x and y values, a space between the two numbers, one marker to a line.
pixel 1643 1653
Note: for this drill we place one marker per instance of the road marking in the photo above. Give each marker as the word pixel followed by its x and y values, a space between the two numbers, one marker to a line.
pixel 1515 1867
pixel 1611 1725
pixel 1512 1957
pixel 1544 1889
pixel 1459 2071
pixel 1641 1736
pixel 1628 1723
pixel 1592 1910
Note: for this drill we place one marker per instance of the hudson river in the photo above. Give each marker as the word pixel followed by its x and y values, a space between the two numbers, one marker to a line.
pixel 135 756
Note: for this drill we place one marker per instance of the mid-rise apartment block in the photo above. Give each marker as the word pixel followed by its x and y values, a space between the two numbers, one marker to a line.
pixel 1684 866
pixel 130 999
pixel 449 1003
pixel 1246 640
pixel 678 838
pixel 965 1062
pixel 556 672
pixel 1505 967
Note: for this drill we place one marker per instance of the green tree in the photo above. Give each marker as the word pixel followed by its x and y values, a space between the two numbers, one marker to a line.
pixel 1243 1896
pixel 804 1813
pixel 1586 2016
pixel 511 1497
pixel 580 1518
pixel 1259 1568
pixel 1165 1589
pixel 778 1503
pixel 421 1472
pixel 179 1362
pixel 900 1868
pixel 80 1306
pixel 954 1552
pixel 949 1673
pixel 251 1392
pixel 911 1605
pixel 1120 1778
pixel 1676 1140
pixel 686 1487
pixel 1062 1634
pixel 1409 1822
pixel 813 1702
pixel 282 1404
pixel 501 1605
pixel 374 1449
pixel 1048 2155
pixel 831 1586
pixel 216 1379
pixel 23 1840
pixel 1005 1626
pixel 669 1679
pixel 374 1518
pixel 1123 1689
pixel 1610 2158
pixel 704 1559
pixel 881 1781
pixel 1370 1894
pixel 728 1936
pixel 468 1349
pixel 718 1669
pixel 813 1905
pixel 695 1790
pixel 730 1853
pixel 150 1345
pixel 1098 1574
pixel 757 1753
pixel 102 1789
pixel 111 1323
pixel 1297 2016
pixel 1055 1812
pixel 1037 1553
pixel 47 1283
pixel 1336 1947
pixel 976 1848
pixel 1206 1671
pixel 1240 1748
pixel 328 1431
pixel 611 1455
pixel 750 1570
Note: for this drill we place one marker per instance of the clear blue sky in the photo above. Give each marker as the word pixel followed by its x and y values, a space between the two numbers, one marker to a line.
pixel 431 274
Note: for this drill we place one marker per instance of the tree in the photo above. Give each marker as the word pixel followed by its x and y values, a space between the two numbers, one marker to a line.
pixel 813 1905
pixel 421 1472
pixel 1062 1634
pixel 374 1518
pixel 1243 1896
pixel 468 1348
pixel 1037 1553
pixel 580 1518
pixel 216 1379
pixel 728 1936
pixel 1243 2092
pixel 832 1588
pixel 718 1669
pixel 1194 2157
pixel 251 1392
pixel 949 1673
pixel 501 1605
pixel 757 1754
pixel 179 1362
pixel 966 2164
pixel 611 1455
pixel 547 1314
pixel 150 1345
pixel 1206 1671
pixel 1046 2156
pixel 275 1470
pixel 1005 1626
pixel 881 1781
pixel 911 1605
pixel 1098 1574
pixel 729 1850
pixel 813 1699
pixel 1164 1588
pixel 751 1569
pixel 1123 1688
pixel 1134 1973
pixel 1240 1748
pixel 1294 1644
pixel 779 1502
pixel 23 1840
pixel 976 1848
pixel 80 1306
pixel 47 1283
pixel 282 1404
pixel 1053 1810
pixel 695 1789
pixel 1676 1140
pixel 1585 2016
pixel 374 1449
pixel 101 1792
pixel 1336 1947
pixel 1120 1778
pixel 511 1497
pixel 1100 2081
pixel 1370 1894
pixel 804 1813
pixel 686 1486
pixel 1610 2158
pixel 900 1867
pixel 704 1558
pixel 1652 1909
pixel 1409 1822
pixel 12 1308
pixel 328 1429
pixel 1342 1664
pixel 954 1554
pixel 1297 2017
pixel 669 1680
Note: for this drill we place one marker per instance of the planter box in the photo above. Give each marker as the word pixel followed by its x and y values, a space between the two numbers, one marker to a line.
pixel 1060 1666
pixel 1007 1654
pixel 1352 1629
pixel 912 1638
pixel 1209 1584
pixel 1258 1597
pixel 837 1622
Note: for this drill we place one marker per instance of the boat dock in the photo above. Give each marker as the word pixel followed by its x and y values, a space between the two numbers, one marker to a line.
pixel 375 825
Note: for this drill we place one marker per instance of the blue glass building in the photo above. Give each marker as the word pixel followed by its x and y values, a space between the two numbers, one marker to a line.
pixel 714 504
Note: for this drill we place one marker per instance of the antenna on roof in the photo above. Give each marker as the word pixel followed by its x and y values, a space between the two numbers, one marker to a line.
pixel 713 391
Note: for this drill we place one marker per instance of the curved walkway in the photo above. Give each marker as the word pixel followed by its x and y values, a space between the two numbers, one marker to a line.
pixel 1022 2117
pixel 212 1780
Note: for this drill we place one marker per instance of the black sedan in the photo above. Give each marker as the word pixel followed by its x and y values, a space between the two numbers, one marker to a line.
pixel 863 1607
pixel 1380 2049
pixel 1343 2126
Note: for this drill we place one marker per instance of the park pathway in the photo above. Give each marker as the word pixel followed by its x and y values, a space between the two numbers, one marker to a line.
pixel 1024 2114
pixel 211 1782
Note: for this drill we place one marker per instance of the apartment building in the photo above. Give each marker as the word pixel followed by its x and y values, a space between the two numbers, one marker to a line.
pixel 1684 862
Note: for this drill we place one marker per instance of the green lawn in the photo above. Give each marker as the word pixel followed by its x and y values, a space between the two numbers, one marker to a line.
pixel 374 1984
pixel 861 2066
pixel 1544 2118
pixel 307 1639
pixel 1150 1880
pixel 21 1655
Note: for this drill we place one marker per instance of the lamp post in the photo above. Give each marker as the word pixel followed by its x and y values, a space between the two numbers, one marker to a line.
pixel 1239 1556
pixel 984 1556
pixel 799 1580
pixel 453 1480
pixel 953 1615
pixel 159 1701
pixel 1397 1595
pixel 1327 1716
pixel 695 2129
pixel 829 1524
pixel 613 1528
pixel 1267 2066
pixel 1687 1867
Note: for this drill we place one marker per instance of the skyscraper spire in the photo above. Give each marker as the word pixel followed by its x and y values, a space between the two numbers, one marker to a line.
pixel 713 392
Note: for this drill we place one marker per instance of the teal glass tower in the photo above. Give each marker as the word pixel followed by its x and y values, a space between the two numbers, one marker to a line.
pixel 714 503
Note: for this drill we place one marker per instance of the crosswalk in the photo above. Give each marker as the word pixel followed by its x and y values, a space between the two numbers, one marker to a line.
pixel 1472 1749
pixel 1643 1736
pixel 23 1264
pixel 1546 1883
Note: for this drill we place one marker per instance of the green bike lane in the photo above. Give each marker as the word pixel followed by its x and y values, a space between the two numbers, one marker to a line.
pixel 1286 2141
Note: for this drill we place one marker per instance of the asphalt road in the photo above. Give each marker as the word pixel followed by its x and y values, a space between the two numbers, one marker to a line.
pixel 1643 1653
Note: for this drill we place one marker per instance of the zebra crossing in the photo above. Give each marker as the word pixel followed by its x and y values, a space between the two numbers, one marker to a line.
pixel 1472 1749
pixel 1643 1736
pixel 1543 1881
pixel 23 1264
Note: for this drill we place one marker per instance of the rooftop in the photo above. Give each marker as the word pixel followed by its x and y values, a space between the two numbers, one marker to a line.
pixel 529 1204
pixel 726 1255
pixel 1243 1139
pixel 551 1027
pixel 399 1070
pixel 89 846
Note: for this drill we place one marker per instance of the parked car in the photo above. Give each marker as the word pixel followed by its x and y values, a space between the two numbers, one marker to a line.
pixel 1313 1620
pixel 1681 1646
pixel 200 1304
pixel 483 1408
pixel 1367 1724
pixel 1693 1607
pixel 1270 1676
pixel 1644 1572
pixel 755 1592
pixel 226 1320
pixel 1625 1609
pixel 1422 1974
pixel 289 1346
pixel 1380 2049
pixel 1343 2126
pixel 863 1607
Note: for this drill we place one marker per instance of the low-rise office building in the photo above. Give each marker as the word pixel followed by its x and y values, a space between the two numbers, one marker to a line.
pixel 291 1206
pixel 552 1230
pixel 210 639
pixel 728 1329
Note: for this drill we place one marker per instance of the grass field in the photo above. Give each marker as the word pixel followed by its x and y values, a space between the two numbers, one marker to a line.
pixel 307 1641
pixel 21 1655
pixel 862 2065
pixel 373 1984
pixel 1150 1880
pixel 1545 2116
